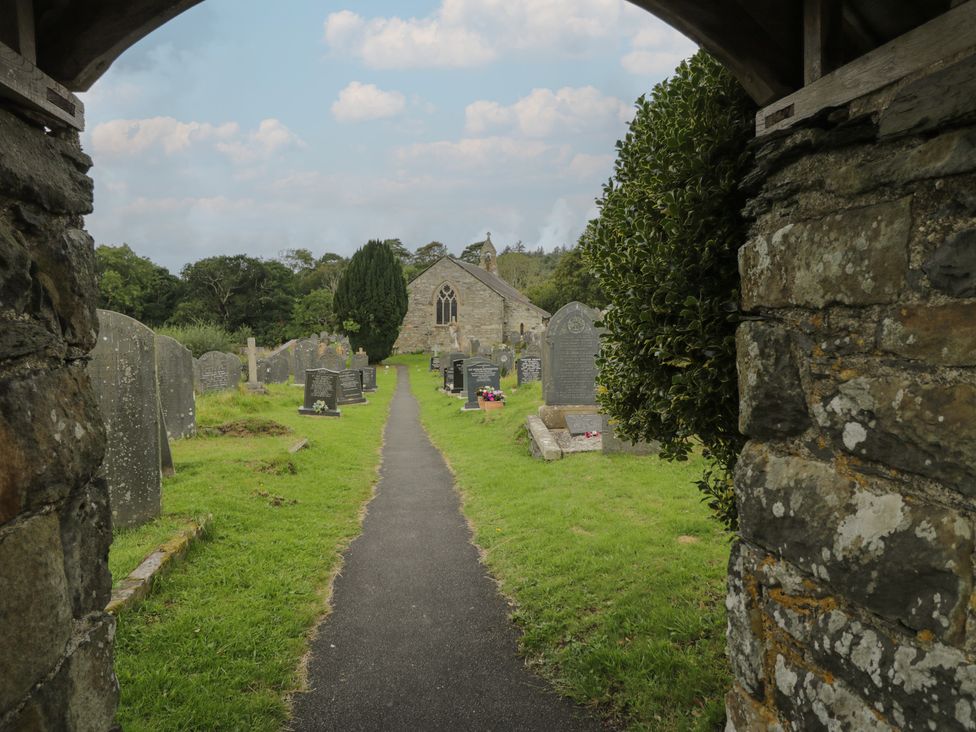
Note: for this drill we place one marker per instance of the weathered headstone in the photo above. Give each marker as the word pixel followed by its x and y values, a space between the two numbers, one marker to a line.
pixel 351 387
pixel 528 368
pixel 359 359
pixel 435 363
pixel 479 372
pixel 368 377
pixel 275 368
pixel 474 346
pixel 216 371
pixel 330 359
pixel 321 393
pixel 253 383
pixel 174 369
pixel 514 339
pixel 457 379
pixel 306 357
pixel 505 359
pixel 123 375
pixel 580 424
pixel 572 343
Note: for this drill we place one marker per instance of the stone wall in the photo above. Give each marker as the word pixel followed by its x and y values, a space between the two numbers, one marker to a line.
pixel 519 314
pixel 55 528
pixel 481 311
pixel 850 592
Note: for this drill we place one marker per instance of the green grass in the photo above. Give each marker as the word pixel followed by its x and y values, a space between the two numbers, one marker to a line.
pixel 616 609
pixel 219 643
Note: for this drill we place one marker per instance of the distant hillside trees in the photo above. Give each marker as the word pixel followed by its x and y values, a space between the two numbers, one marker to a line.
pixel 371 299
pixel 135 286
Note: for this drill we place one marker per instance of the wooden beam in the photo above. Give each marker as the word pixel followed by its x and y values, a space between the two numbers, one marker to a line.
pixel 25 30
pixel 951 34
pixel 815 30
pixel 27 85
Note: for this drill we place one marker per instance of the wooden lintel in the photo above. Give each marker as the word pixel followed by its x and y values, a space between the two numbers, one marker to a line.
pixel 27 40
pixel 948 35
pixel 25 84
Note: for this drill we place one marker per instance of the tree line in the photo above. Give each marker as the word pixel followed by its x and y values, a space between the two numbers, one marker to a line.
pixel 294 294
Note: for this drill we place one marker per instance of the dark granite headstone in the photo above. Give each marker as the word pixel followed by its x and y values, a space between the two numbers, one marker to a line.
pixel 174 368
pixel 369 378
pixel 123 377
pixel 479 372
pixel 579 424
pixel 572 343
pixel 306 357
pixel 359 360
pixel 216 371
pixel 321 393
pixel 528 368
pixel 457 380
pixel 351 387
pixel 452 357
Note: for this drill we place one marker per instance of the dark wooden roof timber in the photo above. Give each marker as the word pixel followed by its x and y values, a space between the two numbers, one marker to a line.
pixel 762 41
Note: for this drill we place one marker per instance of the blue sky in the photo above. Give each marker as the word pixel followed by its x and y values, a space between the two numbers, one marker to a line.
pixel 256 127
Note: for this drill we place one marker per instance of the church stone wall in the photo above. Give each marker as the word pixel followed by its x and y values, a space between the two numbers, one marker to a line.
pixel 850 600
pixel 517 314
pixel 481 311
pixel 55 526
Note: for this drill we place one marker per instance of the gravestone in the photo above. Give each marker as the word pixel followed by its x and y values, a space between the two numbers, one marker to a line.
pixel 275 369
pixel 505 359
pixel 474 346
pixel 174 369
pixel 514 339
pixel 321 393
pixel 330 359
pixel 216 371
pixel 306 357
pixel 253 383
pixel 448 378
pixel 359 359
pixel 457 380
pixel 580 424
pixel 351 387
pixel 572 343
pixel 479 372
pixel 123 376
pixel 368 374
pixel 528 368
pixel 435 363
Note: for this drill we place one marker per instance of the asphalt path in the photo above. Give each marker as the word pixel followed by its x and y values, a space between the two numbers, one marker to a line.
pixel 419 638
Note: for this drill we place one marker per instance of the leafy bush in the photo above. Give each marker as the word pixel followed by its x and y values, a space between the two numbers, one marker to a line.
pixel 371 299
pixel 203 337
pixel 664 248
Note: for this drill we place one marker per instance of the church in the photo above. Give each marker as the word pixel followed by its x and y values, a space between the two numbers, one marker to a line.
pixel 453 302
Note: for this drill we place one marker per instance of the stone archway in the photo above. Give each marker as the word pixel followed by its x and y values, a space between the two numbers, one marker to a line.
pixel 849 596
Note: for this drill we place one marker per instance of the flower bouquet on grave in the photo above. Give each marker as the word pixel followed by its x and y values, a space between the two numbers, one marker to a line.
pixel 490 398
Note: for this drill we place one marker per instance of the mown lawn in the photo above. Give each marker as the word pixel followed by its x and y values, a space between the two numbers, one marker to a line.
pixel 219 643
pixel 616 569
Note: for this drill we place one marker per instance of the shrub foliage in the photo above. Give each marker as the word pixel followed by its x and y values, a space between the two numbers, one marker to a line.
pixel 664 248
pixel 371 299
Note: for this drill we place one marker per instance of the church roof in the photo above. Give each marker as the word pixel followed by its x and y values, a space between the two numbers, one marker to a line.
pixel 493 281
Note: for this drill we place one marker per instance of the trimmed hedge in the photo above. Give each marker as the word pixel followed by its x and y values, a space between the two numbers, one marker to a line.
pixel 664 249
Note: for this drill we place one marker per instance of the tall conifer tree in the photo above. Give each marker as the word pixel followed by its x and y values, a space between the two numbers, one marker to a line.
pixel 371 299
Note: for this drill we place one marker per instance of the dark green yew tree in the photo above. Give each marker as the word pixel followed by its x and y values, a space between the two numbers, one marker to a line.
pixel 371 299
pixel 664 249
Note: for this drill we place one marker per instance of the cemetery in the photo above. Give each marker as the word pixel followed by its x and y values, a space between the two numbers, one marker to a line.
pixel 710 468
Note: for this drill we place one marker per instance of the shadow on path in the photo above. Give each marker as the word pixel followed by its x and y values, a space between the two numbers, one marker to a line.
pixel 419 637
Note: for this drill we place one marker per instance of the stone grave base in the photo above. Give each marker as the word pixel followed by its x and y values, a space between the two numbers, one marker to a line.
pixel 554 415
pixel 541 442
pixel 569 443
pixel 312 413
pixel 255 388
pixel 613 444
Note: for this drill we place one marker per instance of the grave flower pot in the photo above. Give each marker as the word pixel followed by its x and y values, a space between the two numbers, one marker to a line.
pixel 489 405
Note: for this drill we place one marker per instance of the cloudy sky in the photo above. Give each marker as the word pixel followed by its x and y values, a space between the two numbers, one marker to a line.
pixel 246 126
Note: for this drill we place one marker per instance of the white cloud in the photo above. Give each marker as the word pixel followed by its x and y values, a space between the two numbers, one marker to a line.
pixel 132 137
pixel 656 48
pixel 544 112
pixel 359 102
pixel 476 152
pixel 584 165
pixel 391 43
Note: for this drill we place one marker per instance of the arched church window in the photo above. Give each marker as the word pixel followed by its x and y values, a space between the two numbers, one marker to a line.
pixel 446 305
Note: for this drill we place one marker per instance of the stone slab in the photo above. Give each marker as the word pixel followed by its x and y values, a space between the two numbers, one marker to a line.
pixel 554 416
pixel 572 343
pixel 544 445
pixel 528 369
pixel 216 371
pixel 174 366
pixel 321 393
pixel 578 424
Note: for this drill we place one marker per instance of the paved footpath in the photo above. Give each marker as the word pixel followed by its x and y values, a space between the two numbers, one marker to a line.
pixel 419 637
